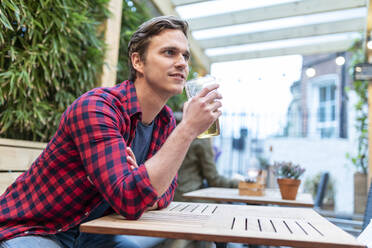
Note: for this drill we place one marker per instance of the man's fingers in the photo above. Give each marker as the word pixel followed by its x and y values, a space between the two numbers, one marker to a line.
pixel 217 113
pixel 214 106
pixel 131 161
pixel 131 154
pixel 132 164
pixel 185 105
pixel 129 151
pixel 208 89
pixel 213 96
pixel 153 207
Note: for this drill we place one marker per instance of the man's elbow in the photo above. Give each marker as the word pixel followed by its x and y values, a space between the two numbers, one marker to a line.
pixel 133 216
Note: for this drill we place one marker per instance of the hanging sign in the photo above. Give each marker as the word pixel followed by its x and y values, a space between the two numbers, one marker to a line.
pixel 363 71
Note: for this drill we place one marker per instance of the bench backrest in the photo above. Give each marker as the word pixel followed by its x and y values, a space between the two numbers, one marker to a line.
pixel 16 156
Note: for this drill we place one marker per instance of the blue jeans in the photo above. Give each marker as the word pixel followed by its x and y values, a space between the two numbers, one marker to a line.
pixel 73 238
pixel 85 240
pixel 32 241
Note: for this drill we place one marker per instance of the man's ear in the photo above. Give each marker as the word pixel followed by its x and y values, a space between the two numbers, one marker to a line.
pixel 137 62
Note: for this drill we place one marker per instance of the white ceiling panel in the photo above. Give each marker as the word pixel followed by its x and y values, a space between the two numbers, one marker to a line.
pixel 220 35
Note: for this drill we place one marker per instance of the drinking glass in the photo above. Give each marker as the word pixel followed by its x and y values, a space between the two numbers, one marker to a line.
pixel 193 87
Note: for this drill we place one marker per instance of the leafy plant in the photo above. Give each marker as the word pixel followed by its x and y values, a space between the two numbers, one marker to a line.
pixel 133 15
pixel 264 162
pixel 50 53
pixel 288 170
pixel 360 160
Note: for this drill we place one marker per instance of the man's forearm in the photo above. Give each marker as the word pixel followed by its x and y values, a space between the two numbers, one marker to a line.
pixel 163 166
pixel 198 114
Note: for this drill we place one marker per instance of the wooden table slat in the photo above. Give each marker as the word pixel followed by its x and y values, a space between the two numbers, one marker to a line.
pixel 278 226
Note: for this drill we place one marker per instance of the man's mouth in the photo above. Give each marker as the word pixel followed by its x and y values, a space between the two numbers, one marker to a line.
pixel 178 75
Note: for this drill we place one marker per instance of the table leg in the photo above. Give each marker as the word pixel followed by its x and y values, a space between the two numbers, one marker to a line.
pixel 221 245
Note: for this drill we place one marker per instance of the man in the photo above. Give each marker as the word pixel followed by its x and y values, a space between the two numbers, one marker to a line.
pixel 198 166
pixel 116 149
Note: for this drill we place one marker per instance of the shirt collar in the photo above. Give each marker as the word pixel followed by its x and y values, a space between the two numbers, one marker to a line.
pixel 131 98
pixel 134 107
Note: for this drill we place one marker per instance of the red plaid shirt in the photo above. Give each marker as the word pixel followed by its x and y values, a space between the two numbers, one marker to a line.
pixel 84 163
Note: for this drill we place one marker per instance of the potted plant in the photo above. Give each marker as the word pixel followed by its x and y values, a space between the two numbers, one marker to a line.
pixel 288 175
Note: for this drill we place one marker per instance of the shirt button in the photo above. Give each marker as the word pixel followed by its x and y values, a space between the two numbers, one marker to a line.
pixel 87 213
pixel 59 230
pixel 26 232
pixel 90 180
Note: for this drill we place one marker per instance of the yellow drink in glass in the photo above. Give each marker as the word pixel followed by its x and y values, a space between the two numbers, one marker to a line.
pixel 213 130
pixel 193 87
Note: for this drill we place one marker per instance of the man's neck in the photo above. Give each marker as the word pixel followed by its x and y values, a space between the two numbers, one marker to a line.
pixel 151 102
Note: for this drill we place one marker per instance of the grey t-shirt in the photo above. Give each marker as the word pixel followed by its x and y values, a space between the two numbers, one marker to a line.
pixel 141 142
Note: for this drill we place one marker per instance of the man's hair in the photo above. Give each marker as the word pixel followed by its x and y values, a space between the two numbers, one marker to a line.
pixel 140 40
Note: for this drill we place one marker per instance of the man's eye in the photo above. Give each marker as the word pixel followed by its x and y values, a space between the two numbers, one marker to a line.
pixel 186 56
pixel 169 52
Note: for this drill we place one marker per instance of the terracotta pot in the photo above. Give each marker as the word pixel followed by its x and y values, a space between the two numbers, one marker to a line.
pixel 288 188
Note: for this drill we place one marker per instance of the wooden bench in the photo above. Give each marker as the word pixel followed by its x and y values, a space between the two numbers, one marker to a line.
pixel 16 156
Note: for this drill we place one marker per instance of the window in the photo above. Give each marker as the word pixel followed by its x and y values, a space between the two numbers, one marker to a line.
pixel 327 103
pixel 326 122
pixel 322 102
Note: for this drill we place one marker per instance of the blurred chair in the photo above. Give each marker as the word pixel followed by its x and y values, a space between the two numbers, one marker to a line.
pixel 368 212
pixel 352 223
pixel 320 193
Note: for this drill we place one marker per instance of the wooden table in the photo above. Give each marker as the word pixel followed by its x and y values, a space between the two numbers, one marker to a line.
pixel 262 225
pixel 272 196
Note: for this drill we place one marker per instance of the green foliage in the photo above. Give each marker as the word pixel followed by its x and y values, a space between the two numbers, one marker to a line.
pixel 176 102
pixel 360 160
pixel 50 53
pixel 264 162
pixel 133 15
pixel 288 170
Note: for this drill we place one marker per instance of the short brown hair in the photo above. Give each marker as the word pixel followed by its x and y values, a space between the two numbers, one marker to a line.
pixel 140 40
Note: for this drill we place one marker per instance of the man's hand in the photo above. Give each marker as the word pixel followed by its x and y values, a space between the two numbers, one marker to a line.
pixel 131 159
pixel 202 110
pixel 198 114
pixel 154 207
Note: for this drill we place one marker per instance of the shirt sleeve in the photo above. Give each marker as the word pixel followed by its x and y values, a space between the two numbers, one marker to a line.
pixel 95 124
pixel 167 197
pixel 209 170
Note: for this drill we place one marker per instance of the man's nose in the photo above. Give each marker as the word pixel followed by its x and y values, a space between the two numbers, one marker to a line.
pixel 181 61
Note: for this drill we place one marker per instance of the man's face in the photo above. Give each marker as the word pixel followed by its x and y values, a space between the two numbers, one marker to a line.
pixel 165 68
